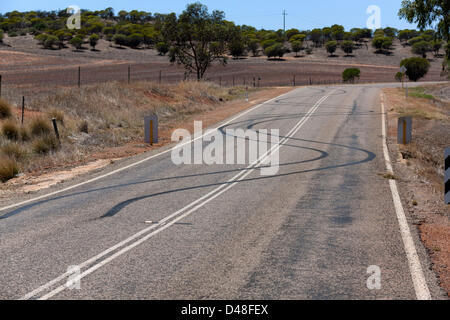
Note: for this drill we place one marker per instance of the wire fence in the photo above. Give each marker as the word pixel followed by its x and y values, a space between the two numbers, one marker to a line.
pixel 16 84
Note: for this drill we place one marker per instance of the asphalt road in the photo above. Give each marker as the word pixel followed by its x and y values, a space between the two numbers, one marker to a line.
pixel 225 231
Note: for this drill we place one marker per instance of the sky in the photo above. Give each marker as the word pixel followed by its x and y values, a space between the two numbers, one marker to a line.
pixel 301 14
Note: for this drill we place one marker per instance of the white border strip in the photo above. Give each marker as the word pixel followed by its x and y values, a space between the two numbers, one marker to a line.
pixel 415 268
pixel 207 132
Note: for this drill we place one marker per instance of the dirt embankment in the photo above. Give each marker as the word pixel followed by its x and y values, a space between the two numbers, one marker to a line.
pixel 104 122
pixel 420 167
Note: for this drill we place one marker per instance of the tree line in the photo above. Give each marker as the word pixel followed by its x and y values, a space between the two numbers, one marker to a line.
pixel 197 38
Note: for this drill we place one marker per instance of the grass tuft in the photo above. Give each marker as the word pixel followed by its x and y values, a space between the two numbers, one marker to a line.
pixel 14 151
pixel 40 127
pixel 10 130
pixel 5 109
pixel 8 168
pixel 45 145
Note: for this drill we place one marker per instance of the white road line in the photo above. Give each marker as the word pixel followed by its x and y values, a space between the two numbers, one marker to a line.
pixel 164 223
pixel 141 161
pixel 415 268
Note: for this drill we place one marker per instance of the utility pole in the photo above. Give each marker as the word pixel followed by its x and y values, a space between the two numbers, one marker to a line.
pixel 284 21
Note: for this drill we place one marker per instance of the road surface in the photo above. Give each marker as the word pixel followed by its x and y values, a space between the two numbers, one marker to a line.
pixel 160 231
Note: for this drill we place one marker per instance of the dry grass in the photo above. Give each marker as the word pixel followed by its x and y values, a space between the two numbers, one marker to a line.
pixel 422 174
pixel 8 168
pixel 5 109
pixel 10 130
pixel 106 115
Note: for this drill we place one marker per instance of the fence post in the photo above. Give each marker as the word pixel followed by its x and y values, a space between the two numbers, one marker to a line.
pixel 79 77
pixel 55 127
pixel 23 108
pixel 0 85
pixel 294 80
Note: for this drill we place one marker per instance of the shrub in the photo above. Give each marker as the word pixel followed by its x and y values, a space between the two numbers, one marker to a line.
pixel 382 43
pixel 45 144
pixel 297 46
pixel 416 67
pixel 162 48
pixel 12 34
pixel 277 50
pixel 93 40
pixel 50 41
pixel 58 115
pixel 10 130
pixel 331 47
pixel 13 151
pixel 120 39
pixel 24 134
pixel 40 126
pixel 253 46
pixel 8 168
pixel 134 40
pixel 5 109
pixel 347 47
pixel 76 42
pixel 1 35
pixel 421 48
pixel 351 74
pixel 236 48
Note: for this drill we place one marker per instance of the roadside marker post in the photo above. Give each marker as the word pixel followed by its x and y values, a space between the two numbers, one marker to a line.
pixel 404 132
pixel 447 176
pixel 151 129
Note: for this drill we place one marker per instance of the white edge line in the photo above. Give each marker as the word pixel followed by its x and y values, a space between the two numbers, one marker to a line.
pixel 162 223
pixel 143 160
pixel 415 268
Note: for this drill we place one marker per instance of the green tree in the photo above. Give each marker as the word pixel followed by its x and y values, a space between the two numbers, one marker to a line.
pixel 120 40
pixel 297 46
pixel 331 47
pixel 50 41
pixel 1 36
pixel 347 47
pixel 93 40
pixel 427 12
pixel 422 48
pixel 416 67
pixel 76 42
pixel 316 37
pixel 197 38
pixel 437 45
pixel 351 74
pixel 277 50
pixel 162 48
pixel 253 46
pixel 382 44
pixel 236 48
pixel 134 40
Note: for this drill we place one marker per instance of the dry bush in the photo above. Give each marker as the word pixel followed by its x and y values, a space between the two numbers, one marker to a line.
pixel 5 109
pixel 45 144
pixel 8 168
pixel 14 151
pixel 24 134
pixel 10 130
pixel 40 127
pixel 58 115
